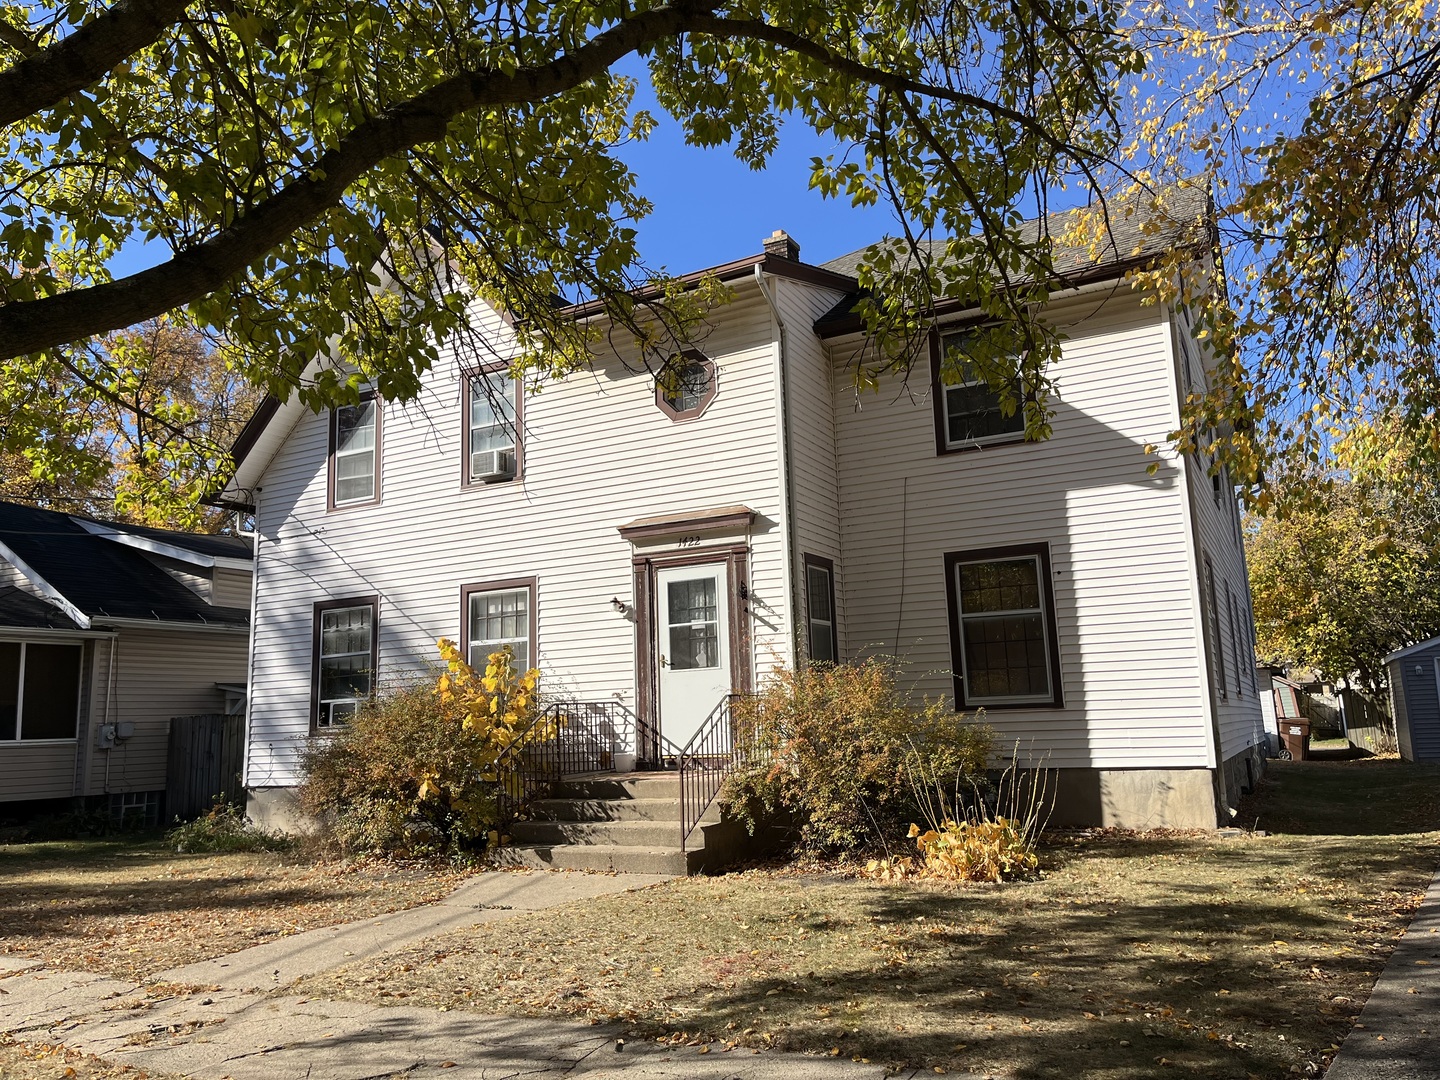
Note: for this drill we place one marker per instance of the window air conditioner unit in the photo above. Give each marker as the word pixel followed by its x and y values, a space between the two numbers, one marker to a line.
pixel 492 465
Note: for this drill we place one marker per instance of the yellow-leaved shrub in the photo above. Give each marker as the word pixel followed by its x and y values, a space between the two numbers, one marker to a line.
pixel 416 771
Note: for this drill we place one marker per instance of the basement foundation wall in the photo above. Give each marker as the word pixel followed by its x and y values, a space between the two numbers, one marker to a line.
pixel 277 809
pixel 1134 798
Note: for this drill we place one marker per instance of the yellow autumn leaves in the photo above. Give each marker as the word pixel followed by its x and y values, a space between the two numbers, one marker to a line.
pixel 497 707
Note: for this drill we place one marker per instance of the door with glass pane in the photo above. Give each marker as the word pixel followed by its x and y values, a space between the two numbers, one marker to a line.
pixel 692 645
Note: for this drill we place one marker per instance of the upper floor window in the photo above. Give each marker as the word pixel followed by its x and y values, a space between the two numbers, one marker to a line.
pixel 492 427
pixel 498 614
pixel 345 658
pixel 1002 625
pixel 687 386
pixel 355 453
pixel 820 610
pixel 39 690
pixel 1215 634
pixel 968 412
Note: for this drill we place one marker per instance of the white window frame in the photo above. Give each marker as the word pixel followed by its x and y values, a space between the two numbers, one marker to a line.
pixel 1215 628
pixel 488 385
pixel 337 454
pixel 951 441
pixel 814 564
pixel 324 718
pixel 519 587
pixel 1052 698
pixel 16 736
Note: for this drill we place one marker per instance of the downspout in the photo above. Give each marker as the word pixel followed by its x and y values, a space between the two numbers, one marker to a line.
pixel 250 656
pixel 782 380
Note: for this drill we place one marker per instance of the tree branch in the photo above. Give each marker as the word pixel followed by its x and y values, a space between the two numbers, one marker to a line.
pixel 32 325
pixel 55 72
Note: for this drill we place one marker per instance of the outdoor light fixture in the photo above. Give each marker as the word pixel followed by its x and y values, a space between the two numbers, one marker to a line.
pixel 619 605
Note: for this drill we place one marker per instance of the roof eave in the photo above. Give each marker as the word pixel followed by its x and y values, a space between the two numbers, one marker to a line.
pixel 854 324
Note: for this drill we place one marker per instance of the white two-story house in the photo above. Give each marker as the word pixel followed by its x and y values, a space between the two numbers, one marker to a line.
pixel 662 548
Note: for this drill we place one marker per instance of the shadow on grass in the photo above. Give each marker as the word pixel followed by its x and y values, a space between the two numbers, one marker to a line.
pixel 1068 997
pixel 1364 796
pixel 68 910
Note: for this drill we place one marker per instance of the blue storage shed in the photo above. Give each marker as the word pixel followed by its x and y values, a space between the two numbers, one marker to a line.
pixel 1414 676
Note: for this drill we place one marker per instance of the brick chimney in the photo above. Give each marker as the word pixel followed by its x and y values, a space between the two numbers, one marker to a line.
pixel 781 246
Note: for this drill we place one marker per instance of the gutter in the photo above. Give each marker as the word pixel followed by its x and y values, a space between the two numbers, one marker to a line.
pixel 170 624
pixel 30 633
pixel 1110 277
pixel 792 592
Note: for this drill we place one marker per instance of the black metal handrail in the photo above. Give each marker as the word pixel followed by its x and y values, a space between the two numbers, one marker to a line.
pixel 565 739
pixel 712 754
pixel 652 749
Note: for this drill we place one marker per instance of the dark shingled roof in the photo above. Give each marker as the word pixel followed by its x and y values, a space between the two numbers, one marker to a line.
pixel 229 547
pixel 1177 217
pixel 19 608
pixel 102 578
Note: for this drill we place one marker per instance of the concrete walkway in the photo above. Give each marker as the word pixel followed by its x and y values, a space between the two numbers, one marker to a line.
pixel 242 1032
pixel 1398 1034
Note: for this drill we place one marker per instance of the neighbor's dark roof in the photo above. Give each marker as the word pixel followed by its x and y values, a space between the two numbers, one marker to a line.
pixel 102 578
pixel 1137 233
pixel 229 547
pixel 19 608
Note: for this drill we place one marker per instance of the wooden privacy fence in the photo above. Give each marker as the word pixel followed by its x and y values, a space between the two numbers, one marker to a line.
pixel 207 753
pixel 1367 724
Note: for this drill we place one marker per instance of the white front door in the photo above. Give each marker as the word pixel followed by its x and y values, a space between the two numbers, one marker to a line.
pixel 692 645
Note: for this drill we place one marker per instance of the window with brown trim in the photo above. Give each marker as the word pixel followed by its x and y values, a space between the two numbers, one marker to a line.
pixel 492 427
pixel 344 656
pixel 686 387
pixel 494 614
pixel 1003 640
pixel 820 630
pixel 968 410
pixel 1235 643
pixel 355 453
pixel 1215 634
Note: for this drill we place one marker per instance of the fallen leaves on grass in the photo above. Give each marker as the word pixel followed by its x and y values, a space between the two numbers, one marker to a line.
pixel 132 912
pixel 55 1061
pixel 1221 956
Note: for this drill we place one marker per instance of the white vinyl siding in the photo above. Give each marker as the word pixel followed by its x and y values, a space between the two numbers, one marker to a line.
pixel 150 686
pixel 1118 540
pixel 1238 716
pixel 598 454
pixel 231 587
pixel 814 480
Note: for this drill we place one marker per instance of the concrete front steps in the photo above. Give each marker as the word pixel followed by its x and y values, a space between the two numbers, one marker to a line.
pixel 629 822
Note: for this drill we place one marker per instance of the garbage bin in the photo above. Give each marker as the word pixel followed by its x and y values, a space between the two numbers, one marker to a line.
pixel 1294 739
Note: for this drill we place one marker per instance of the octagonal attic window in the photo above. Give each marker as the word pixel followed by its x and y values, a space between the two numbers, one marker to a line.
pixel 686 387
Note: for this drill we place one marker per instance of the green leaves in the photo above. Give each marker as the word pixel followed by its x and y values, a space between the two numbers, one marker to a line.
pixel 1344 567
pixel 473 153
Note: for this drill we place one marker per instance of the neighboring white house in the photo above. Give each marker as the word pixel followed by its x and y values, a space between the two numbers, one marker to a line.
pixel 107 631
pixel 661 549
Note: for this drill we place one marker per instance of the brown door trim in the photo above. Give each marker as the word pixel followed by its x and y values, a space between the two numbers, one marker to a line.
pixel 647 618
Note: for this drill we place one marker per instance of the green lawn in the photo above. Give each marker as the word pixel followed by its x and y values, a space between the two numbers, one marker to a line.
pixel 1132 957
